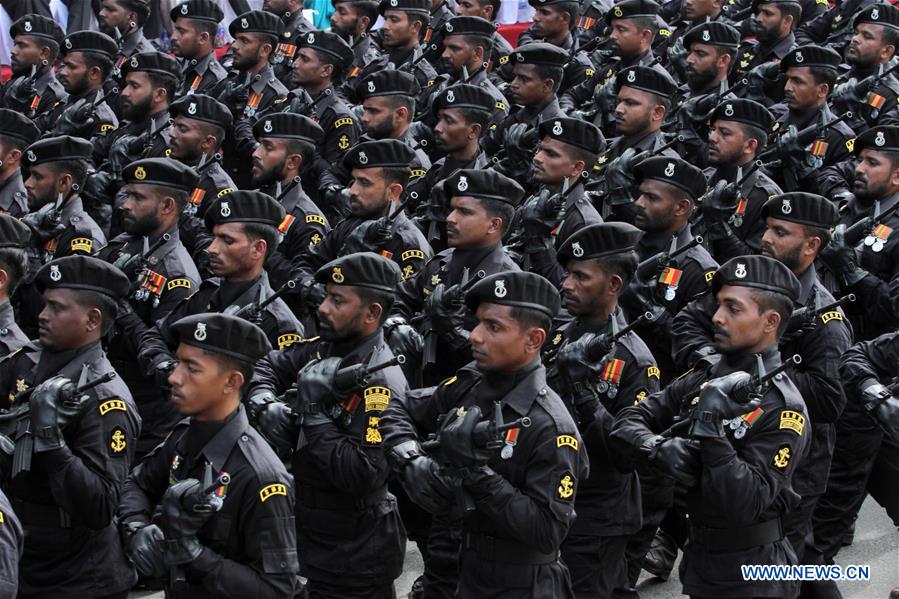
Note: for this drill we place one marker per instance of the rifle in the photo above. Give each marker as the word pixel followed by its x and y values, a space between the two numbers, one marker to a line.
pixel 649 153
pixel 133 266
pixel 806 136
pixel 863 228
pixel 804 317
pixel 451 295
pixel 655 264
pixel 600 345
pixel 707 103
pixel 487 434
pixel 15 422
pixel 697 216
pixel 252 312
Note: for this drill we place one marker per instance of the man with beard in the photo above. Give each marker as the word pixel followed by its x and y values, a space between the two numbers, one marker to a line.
pixel 86 63
pixel 600 261
pixel 287 143
pixel 432 37
pixel 33 89
pixel 194 26
pixel 350 537
pixel 834 27
pixel 712 48
pixel 798 227
pixel 633 28
pixel 352 20
pixel 14 243
pixel 739 485
pixel 244 225
pixel 810 73
pixel 17 132
pixel 731 218
pixel 123 21
pixel 380 173
pixel 776 20
pixel 460 125
pixel 295 26
pixel 80 458
pixel 501 48
pixel 404 21
pixel 568 148
pixel 155 196
pixel 254 89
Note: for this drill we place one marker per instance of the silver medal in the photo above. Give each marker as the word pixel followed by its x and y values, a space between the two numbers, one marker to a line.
pixel 869 240
pixel 740 432
pixel 602 386
pixel 670 293
pixel 613 391
pixel 506 452
pixel 878 246
pixel 738 221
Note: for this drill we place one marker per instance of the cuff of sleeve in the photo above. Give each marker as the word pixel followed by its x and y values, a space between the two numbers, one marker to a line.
pixel 206 562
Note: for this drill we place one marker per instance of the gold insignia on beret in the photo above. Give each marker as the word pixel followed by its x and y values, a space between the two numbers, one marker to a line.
pixel 140 174
pixel 337 276
pixel 617 11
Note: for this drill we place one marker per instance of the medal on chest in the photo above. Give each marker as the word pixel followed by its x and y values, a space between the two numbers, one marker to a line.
pixel 878 238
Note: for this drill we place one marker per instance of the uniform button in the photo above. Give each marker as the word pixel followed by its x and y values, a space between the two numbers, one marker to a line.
pixel 283 564
pixel 778 376
pixel 244 438
pixel 542 391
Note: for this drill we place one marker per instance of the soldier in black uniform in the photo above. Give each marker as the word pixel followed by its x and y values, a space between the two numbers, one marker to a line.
pixel 516 505
pixel 869 267
pixel 155 196
pixel 810 72
pixel 538 69
pixel 739 131
pixel 244 225
pixel 668 190
pixel 194 27
pixel 568 148
pixel 14 237
pixel 86 63
pixel 738 485
pixel 287 143
pixel 295 26
pixel 834 27
pixel 123 21
pixel 241 542
pixel 352 20
pixel 254 89
pixel 501 49
pixel 774 38
pixel 82 449
pixel 554 24
pixel 432 37
pixel 380 171
pixel 600 260
pixel 17 132
pixel 33 89
pixel 351 540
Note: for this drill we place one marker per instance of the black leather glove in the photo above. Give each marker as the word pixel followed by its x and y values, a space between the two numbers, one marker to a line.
pixel 184 511
pixel 369 236
pixel 883 407
pixel 145 549
pixel 312 295
pixel 762 77
pixel 575 368
pixel 620 178
pixel 130 264
pixel 257 402
pixel 279 425
pixel 20 94
pixel 337 198
pixel 605 97
pixel 45 224
pixel 315 385
pixel 403 339
pixel 99 188
pixel 77 119
pixel 718 401
pixel 841 259
pixel 162 370
pixel 447 316
pixel 698 110
pixel 677 57
pixel 300 102
pixel 47 417
pixel 676 457
pixel 420 476
pixel 457 441
pixel 542 214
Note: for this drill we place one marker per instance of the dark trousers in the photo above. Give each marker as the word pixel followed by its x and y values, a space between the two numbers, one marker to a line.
pixel 598 566
pixel 324 590
pixel 441 577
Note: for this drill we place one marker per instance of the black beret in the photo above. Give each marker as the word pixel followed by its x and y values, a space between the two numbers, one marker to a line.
pixel 257 21
pixel 37 26
pixel 224 334
pixel 673 171
pixel 287 125
pixel 364 269
pixel 200 107
pixel 740 110
pixel 388 153
pixel 811 56
pixel 486 184
pixel 199 10
pixel 632 9
pixel 884 138
pixel 387 83
pixel 56 149
pixel 328 43
pixel 465 95
pixel 13 232
pixel 519 289
pixel 85 273
pixel 878 14
pixel 596 241
pixel 153 62
pixel 421 7
pixel 470 26
pixel 804 208
pixel 574 132
pixel 244 206
pixel 90 42
pixel 646 79
pixel 17 125
pixel 713 33
pixel 758 272
pixel 166 172
pixel 539 53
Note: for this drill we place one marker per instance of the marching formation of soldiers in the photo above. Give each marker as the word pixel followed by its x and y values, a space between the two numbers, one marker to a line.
pixel 555 313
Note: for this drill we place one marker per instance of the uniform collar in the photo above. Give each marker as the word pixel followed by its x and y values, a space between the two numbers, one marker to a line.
pixel 7 316
pixel 219 447
pixel 132 41
pixel 747 362
pixel 807 281
pixel 199 66
pixel 262 78
pixel 522 396
pixel 71 207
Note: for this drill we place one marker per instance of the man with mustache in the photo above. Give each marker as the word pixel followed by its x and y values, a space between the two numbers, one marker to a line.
pixel 568 148
pixel 244 225
pixel 775 22
pixel 156 195
pixel 432 37
pixel 36 44
pixel 350 537
pixel 194 27
pixel 600 261
pixel 834 27
pixel 123 21
pixel 810 73
pixel 287 143
pixel 732 220
pixel 352 20
pixel 17 132
pixel 295 26
pixel 81 456
pixel 798 227
pixel 736 457
pixel 488 10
